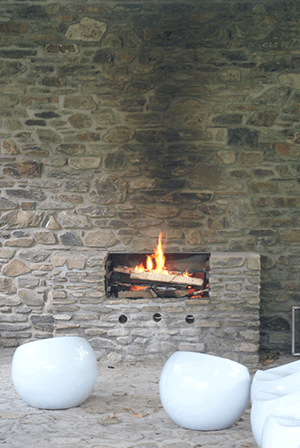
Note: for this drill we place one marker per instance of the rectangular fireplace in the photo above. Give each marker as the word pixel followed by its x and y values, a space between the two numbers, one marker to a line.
pixel 92 299
pixel 186 276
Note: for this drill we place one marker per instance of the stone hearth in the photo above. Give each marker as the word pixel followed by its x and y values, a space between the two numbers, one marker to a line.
pixel 226 323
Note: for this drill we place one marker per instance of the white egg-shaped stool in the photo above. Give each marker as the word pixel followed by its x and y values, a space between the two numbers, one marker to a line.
pixel 203 392
pixel 280 384
pixel 56 373
pixel 281 432
pixel 266 404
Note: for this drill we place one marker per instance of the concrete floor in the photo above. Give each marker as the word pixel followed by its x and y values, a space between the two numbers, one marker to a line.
pixel 123 411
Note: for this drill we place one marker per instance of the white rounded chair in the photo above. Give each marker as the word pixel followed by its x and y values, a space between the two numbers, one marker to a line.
pixel 276 379
pixel 281 432
pixel 276 384
pixel 285 369
pixel 277 405
pixel 204 392
pixel 56 373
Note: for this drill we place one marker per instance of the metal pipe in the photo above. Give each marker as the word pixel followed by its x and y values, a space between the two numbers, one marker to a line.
pixel 294 308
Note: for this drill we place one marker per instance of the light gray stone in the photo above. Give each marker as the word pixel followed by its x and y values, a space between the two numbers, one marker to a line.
pixel 15 268
pixel 71 220
pixel 21 219
pixel 45 237
pixel 30 297
pixel 99 238
pixel 87 29
pixel 7 285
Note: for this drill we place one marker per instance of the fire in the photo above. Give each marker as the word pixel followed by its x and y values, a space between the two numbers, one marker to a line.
pixel 140 268
pixel 156 262
pixel 137 288
pixel 159 256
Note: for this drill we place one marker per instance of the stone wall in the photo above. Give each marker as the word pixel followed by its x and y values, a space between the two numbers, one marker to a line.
pixel 122 119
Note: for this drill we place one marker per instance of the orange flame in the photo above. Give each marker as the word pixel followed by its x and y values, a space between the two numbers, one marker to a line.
pixel 159 258
pixel 140 268
pixel 149 263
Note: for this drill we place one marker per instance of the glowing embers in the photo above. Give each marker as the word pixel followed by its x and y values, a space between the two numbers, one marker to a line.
pixel 160 275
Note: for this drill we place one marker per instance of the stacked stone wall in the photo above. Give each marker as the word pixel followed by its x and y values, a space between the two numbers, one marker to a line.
pixel 120 120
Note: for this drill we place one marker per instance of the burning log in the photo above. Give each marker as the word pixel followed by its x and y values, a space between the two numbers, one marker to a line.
pixel 123 269
pixel 166 278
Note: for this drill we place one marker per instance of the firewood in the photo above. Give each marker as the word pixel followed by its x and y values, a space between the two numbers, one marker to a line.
pixel 129 270
pixel 153 293
pixel 166 278
pixel 180 293
pixel 123 269
pixel 195 293
pixel 145 294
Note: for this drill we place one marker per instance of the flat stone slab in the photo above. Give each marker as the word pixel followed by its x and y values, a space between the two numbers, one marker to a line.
pixel 123 411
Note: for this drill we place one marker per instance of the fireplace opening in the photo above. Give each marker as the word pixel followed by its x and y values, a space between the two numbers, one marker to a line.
pixel 186 276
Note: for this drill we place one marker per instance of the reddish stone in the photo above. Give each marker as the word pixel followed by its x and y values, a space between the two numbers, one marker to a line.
pixel 285 149
pixel 72 198
pixel 80 121
pixel 290 236
pixel 261 202
pixel 34 150
pixel 23 169
pixel 278 222
pixel 120 134
pixel 54 82
pixel 71 149
pixel 251 157
pixel 265 118
pixel 64 18
pixel 285 202
pixel 9 147
pixel 14 28
pixel 264 187
pixel 61 49
pixel 88 137
pixel 228 119
pixel 28 205
pixel 35 100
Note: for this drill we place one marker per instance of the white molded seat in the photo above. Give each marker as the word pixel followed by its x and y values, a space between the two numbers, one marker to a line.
pixel 267 404
pixel 277 379
pixel 279 371
pixel 281 432
pixel 204 392
pixel 285 369
pixel 280 384
pixel 56 373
